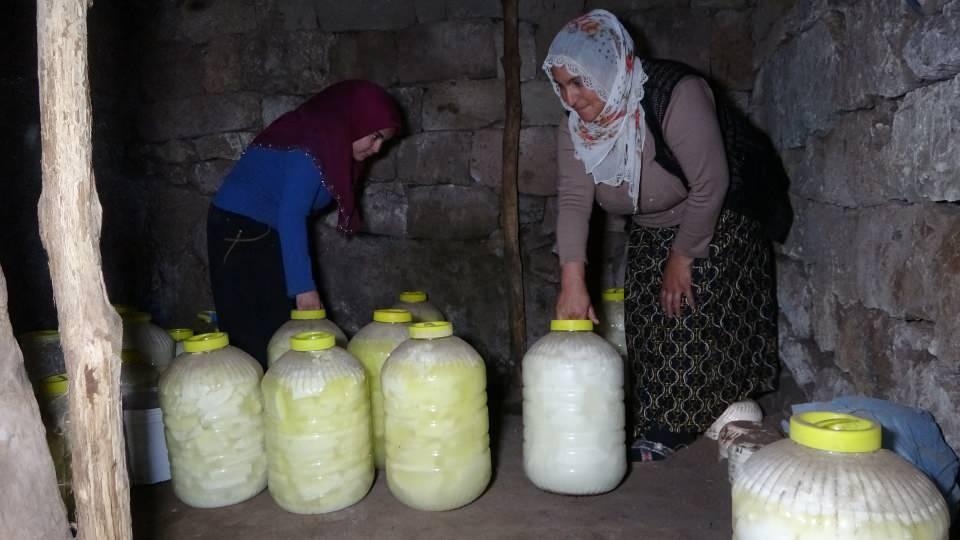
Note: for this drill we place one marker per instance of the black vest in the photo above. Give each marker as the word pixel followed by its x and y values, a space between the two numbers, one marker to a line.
pixel 758 181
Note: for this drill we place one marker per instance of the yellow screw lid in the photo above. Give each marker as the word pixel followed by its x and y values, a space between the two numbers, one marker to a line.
pixel 136 316
pixel 392 315
pixel 53 386
pixel 41 336
pixel 312 341
pixel 431 330
pixel 206 342
pixel 835 432
pixel 308 314
pixel 613 295
pixel 571 325
pixel 180 334
pixel 208 316
pixel 413 297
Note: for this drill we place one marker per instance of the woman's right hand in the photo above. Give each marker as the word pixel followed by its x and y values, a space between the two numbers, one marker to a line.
pixel 573 302
pixel 309 300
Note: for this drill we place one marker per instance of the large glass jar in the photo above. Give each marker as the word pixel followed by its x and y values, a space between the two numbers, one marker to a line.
pixel 319 449
pixel 55 412
pixel 302 320
pixel 212 412
pixel 372 345
pixel 435 420
pixel 152 343
pixel 179 335
pixel 573 411
pixel 416 303
pixel 831 480
pixel 611 326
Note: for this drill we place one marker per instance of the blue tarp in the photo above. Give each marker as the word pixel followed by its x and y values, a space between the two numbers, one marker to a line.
pixel 912 433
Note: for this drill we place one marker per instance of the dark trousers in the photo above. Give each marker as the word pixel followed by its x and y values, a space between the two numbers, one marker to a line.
pixel 246 272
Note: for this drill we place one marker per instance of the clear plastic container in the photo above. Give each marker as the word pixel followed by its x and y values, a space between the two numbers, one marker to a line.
pixel 831 480
pixel 55 412
pixel 207 322
pixel 178 335
pixel 302 320
pixel 146 449
pixel 152 343
pixel 372 345
pixel 422 310
pixel 573 411
pixel 42 353
pixel 319 448
pixel 212 412
pixel 611 326
pixel 435 419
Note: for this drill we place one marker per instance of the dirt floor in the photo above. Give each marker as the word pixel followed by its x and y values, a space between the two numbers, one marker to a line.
pixel 686 497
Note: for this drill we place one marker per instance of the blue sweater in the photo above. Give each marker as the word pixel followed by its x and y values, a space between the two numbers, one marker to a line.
pixel 279 188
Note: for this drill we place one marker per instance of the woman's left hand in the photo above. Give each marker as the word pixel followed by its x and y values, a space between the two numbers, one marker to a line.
pixel 676 284
pixel 309 300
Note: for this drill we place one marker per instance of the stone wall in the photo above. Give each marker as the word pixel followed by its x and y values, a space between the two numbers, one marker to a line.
pixel 218 72
pixel 863 98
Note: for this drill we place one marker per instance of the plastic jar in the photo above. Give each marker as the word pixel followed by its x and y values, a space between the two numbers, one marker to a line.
pixel 178 335
pixel 55 412
pixel 372 345
pixel 416 303
pixel 153 344
pixel 302 320
pixel 611 326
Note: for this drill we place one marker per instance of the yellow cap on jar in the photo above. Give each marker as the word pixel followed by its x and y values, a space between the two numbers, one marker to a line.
pixel 431 330
pixel 835 432
pixel 613 295
pixel 136 316
pixel 413 297
pixel 392 316
pixel 312 341
pixel 571 325
pixel 180 334
pixel 308 314
pixel 54 385
pixel 206 342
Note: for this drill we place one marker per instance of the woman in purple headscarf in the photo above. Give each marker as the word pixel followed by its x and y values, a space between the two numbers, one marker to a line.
pixel 257 226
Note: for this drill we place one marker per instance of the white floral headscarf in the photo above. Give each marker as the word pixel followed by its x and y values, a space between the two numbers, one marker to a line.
pixel 598 49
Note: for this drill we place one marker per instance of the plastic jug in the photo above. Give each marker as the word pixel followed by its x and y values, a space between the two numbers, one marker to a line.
pixel 611 326
pixel 302 320
pixel 416 303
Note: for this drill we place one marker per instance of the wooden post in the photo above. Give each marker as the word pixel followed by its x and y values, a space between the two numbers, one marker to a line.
pixel 31 506
pixel 70 218
pixel 509 211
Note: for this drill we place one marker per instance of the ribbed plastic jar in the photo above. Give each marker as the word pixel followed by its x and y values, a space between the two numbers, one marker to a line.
pixel 435 419
pixel 154 345
pixel 302 320
pixel 372 345
pixel 611 326
pixel 831 479
pixel 573 411
pixel 419 307
pixel 178 335
pixel 55 411
pixel 212 412
pixel 319 448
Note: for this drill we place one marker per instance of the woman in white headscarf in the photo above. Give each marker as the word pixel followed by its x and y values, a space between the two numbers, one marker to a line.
pixel 700 308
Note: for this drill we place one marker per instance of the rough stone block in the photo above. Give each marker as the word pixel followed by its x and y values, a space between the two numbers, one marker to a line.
pixel 273 107
pixel 470 9
pixel 446 50
pixel 548 16
pixel 656 33
pixel 537 174
pixel 410 100
pixel 731 50
pixel 200 21
pixel 451 212
pixel 933 50
pixel 222 145
pixel 486 158
pixel 720 4
pixel 925 147
pixel 364 55
pixel 528 51
pixel 463 105
pixel 383 208
pixel 549 225
pixel 296 14
pixel 176 71
pixel 175 151
pixel 230 63
pixel 794 292
pixel 383 166
pixel 541 105
pixel 435 158
pixel 431 10
pixel 531 208
pixel 366 15
pixel 199 116
pixel 292 63
pixel 540 297
pixel 207 176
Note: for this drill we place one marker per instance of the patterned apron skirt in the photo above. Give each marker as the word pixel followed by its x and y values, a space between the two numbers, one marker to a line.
pixel 685 371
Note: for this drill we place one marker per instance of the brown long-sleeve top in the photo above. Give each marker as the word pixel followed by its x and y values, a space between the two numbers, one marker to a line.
pixel 691 130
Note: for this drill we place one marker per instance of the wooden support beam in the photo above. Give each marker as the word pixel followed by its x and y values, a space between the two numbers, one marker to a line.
pixel 509 198
pixel 70 219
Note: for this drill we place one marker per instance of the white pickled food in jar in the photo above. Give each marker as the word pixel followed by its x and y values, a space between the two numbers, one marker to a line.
pixel 372 345
pixel 317 413
pixel 435 419
pixel 152 343
pixel 419 307
pixel 212 413
pixel 832 480
pixel 302 320
pixel 573 411
pixel 179 335
pixel 611 326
